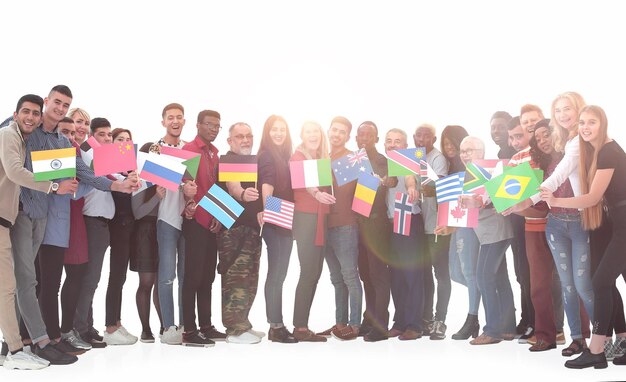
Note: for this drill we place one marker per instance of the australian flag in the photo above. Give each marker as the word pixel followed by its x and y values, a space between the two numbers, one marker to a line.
pixel 402 214
pixel 347 168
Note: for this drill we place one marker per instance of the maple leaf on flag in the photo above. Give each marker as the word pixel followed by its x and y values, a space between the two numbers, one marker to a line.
pixel 458 213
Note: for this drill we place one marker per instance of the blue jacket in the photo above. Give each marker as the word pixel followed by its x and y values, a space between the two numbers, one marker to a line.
pixel 58 225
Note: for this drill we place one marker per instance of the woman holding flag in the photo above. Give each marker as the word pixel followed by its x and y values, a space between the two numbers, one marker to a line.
pixel 273 161
pixel 309 226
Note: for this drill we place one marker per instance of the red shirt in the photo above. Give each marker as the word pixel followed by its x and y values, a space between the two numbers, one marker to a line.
pixel 207 175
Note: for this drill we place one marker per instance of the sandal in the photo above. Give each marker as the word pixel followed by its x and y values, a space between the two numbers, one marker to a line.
pixel 576 347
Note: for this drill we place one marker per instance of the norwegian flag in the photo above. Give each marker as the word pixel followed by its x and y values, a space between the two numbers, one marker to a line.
pixel 279 212
pixel 402 214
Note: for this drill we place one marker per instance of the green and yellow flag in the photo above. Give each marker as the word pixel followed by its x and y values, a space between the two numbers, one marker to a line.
pixel 513 186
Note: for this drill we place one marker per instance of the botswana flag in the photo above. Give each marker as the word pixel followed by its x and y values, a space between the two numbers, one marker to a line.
pixel 222 206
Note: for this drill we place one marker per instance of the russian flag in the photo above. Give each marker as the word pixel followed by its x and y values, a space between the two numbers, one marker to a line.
pixel 161 170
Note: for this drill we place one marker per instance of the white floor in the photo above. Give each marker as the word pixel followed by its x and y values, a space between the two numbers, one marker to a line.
pixel 443 360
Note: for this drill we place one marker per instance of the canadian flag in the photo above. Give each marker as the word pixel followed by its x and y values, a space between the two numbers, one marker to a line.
pixel 451 214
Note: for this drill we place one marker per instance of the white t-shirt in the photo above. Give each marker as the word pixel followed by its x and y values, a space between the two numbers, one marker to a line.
pixel 567 168
pixel 172 205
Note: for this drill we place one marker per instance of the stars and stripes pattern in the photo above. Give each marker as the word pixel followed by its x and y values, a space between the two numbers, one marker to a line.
pixel 279 212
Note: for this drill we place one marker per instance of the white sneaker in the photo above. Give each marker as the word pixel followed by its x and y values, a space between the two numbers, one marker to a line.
pixel 74 339
pixel 127 334
pixel 244 338
pixel 2 358
pixel 171 336
pixel 257 333
pixel 24 361
pixel 117 338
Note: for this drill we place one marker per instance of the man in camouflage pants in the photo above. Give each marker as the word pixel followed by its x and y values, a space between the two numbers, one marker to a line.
pixel 240 250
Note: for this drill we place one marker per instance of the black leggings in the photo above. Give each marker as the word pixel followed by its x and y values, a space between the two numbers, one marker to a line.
pixel 120 232
pixel 69 294
pixel 607 244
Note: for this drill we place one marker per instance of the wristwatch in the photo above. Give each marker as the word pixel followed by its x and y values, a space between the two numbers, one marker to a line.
pixel 55 187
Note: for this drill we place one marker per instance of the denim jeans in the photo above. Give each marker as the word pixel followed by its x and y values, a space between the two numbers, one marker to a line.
pixel 170 241
pixel 278 254
pixel 342 256
pixel 569 244
pixel 436 258
pixel 495 288
pixel 464 249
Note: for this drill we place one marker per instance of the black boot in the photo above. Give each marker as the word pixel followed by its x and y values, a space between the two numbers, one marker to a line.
pixel 470 328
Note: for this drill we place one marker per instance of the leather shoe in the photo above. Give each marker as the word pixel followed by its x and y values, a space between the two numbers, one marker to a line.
pixel 542 345
pixel 395 332
pixel 307 336
pixel 281 335
pixel 484 339
pixel 587 359
pixel 375 336
pixel 409 335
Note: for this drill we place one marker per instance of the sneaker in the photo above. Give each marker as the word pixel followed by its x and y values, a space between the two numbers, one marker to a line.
pixel 609 349
pixel 171 336
pixel 73 339
pixel 24 361
pixel 147 337
pixel 52 354
pixel 346 333
pixel 245 338
pixel 560 338
pixel 214 334
pixel 197 339
pixel 127 334
pixel 327 333
pixel 439 331
pixel 521 328
pixel 118 338
pixel 619 347
pixel 67 348
pixel 523 339
pixel 94 334
pixel 428 326
pixel 257 333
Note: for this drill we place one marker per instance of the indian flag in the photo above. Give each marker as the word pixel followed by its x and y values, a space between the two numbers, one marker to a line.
pixel 310 173
pixel 54 164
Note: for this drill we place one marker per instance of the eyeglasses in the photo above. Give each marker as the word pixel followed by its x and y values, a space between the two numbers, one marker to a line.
pixel 240 137
pixel 211 126
pixel 469 152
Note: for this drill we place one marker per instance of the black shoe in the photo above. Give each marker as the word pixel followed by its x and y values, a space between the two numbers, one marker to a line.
pixel 52 354
pixel 5 349
pixel 469 329
pixel 521 328
pixel 439 331
pixel 214 334
pixel 147 337
pixel 198 339
pixel 364 330
pixel 95 344
pixel 375 336
pixel 587 359
pixel 523 339
pixel 620 360
pixel 281 335
pixel 94 334
pixel 427 327
pixel 66 348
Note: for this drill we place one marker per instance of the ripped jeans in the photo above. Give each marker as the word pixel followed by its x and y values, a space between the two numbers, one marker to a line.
pixel 569 244
pixel 171 242
pixel 464 248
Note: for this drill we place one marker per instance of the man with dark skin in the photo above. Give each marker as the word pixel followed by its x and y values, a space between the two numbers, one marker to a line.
pixel 499 134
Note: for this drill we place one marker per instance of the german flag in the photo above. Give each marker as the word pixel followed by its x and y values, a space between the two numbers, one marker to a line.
pixel 237 168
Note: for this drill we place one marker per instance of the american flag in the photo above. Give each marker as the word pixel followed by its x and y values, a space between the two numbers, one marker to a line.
pixel 278 212
pixel 402 214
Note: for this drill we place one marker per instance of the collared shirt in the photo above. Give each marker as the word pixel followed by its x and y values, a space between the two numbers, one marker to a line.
pixel 207 175
pixel 35 203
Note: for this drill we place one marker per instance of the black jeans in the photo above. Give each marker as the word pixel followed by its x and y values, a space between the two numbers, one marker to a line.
pixel 70 291
pixel 436 257
pixel 522 269
pixel 121 233
pixel 200 264
pixel 51 269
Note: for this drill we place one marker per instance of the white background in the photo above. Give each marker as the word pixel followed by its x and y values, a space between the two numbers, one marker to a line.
pixel 396 63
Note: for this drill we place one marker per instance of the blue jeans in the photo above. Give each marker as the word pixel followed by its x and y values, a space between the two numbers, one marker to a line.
pixel 278 254
pixel 464 248
pixel 342 255
pixel 170 241
pixel 495 288
pixel 569 244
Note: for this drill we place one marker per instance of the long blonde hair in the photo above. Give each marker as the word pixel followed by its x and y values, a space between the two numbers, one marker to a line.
pixel 322 150
pixel 592 216
pixel 560 133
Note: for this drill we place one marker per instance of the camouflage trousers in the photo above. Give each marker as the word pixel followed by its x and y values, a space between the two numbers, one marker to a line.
pixel 239 251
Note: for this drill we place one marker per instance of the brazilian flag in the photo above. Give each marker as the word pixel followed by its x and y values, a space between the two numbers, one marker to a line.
pixel 513 186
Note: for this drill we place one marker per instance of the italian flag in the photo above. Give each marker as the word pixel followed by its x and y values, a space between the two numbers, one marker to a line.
pixel 54 164
pixel 310 173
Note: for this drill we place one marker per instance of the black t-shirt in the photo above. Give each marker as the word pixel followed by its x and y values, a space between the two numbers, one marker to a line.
pixel 612 156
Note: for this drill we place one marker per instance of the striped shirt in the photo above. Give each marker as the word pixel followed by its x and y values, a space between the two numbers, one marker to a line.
pixel 520 157
pixel 35 203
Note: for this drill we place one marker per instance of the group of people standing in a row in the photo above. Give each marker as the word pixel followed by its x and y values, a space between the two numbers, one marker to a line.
pixel 565 240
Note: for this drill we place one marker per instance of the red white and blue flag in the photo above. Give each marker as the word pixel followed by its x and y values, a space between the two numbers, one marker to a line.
pixel 279 212
pixel 402 214
pixel 161 170
pixel 348 168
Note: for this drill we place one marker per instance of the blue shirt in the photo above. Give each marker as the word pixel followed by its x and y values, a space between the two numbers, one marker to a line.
pixel 35 203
